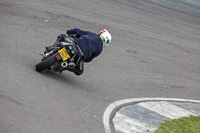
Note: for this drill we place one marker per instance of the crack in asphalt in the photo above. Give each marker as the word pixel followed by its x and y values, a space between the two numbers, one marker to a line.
pixel 7 98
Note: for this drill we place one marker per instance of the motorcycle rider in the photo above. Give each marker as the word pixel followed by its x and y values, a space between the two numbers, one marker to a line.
pixel 88 46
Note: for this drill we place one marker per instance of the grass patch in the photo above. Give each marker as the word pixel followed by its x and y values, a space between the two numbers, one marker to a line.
pixel 189 124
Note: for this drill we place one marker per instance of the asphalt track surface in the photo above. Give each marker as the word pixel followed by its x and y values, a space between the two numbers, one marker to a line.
pixel 155 52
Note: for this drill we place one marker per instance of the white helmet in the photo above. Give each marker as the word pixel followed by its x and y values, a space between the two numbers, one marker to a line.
pixel 105 37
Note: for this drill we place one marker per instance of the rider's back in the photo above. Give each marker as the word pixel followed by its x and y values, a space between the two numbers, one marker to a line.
pixel 90 43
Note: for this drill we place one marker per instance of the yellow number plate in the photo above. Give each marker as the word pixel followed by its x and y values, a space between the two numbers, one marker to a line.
pixel 64 54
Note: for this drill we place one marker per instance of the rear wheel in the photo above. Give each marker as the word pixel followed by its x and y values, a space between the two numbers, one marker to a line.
pixel 45 64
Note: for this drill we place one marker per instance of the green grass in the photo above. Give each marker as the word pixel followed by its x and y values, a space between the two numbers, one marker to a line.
pixel 189 124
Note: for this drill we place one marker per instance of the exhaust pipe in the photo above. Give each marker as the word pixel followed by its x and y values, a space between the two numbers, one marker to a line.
pixel 64 64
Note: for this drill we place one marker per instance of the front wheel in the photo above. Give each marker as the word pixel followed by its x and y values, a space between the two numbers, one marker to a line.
pixel 45 64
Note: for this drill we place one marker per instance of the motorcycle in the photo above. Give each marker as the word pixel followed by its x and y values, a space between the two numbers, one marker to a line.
pixel 58 58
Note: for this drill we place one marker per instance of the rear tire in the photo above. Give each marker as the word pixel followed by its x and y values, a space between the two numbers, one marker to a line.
pixel 47 63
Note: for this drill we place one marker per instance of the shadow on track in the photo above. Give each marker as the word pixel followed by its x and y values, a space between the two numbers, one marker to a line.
pixel 64 78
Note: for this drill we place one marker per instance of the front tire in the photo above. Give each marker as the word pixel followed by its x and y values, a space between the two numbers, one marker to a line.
pixel 45 64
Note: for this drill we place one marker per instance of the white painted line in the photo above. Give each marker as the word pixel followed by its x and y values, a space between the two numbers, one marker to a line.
pixel 55 16
pixel 126 124
pixel 170 110
pixel 113 107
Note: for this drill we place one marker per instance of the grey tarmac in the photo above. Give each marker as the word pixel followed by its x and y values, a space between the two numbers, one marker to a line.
pixel 154 53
